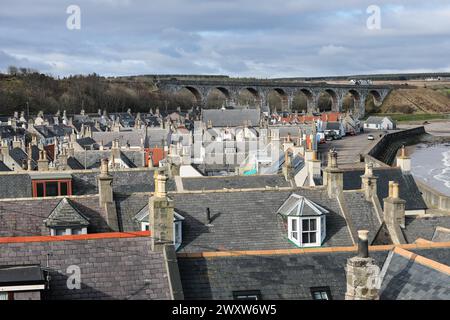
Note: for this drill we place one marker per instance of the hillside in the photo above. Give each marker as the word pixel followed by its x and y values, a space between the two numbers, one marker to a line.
pixel 417 100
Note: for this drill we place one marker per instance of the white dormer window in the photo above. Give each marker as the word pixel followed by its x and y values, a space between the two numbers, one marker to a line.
pixel 306 221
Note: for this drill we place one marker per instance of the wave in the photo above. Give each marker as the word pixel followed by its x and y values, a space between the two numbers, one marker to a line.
pixel 444 176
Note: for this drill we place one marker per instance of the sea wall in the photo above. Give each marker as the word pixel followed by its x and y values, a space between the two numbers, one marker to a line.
pixel 386 149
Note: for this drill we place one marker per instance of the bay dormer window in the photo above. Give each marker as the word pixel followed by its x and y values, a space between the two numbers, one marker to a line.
pixel 306 221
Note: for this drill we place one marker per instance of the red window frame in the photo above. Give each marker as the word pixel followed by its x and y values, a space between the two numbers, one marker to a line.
pixel 44 182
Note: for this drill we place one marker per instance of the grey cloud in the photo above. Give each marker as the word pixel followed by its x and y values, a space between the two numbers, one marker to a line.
pixel 240 37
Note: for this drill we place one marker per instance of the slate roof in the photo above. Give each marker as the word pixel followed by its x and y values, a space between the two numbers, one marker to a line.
pixel 4 167
pixel 132 136
pixel 406 279
pixel 124 182
pixel 377 120
pixel 92 158
pixel 85 142
pixel 276 276
pixel 292 276
pixel 248 220
pixel 111 268
pixel 27 217
pixel 231 117
pixel 234 182
pixel 19 156
pixel 241 220
pixel 362 214
pixel 66 215
pixel 425 228
pixel 74 164
pixel 21 275
pixel 441 235
pixel 408 187
pixel 15 186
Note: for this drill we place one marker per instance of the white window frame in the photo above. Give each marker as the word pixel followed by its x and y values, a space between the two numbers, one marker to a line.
pixel 145 226
pixel 320 230
pixel 67 231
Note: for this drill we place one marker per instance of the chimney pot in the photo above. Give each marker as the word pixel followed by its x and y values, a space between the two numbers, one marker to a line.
pixel 363 243
pixel 208 216
pixel 391 187
pixel 395 190
pixel 104 167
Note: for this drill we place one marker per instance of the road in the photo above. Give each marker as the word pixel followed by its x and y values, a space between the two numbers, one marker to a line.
pixel 350 148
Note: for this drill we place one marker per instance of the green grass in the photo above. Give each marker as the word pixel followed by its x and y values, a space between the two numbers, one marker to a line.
pixel 411 117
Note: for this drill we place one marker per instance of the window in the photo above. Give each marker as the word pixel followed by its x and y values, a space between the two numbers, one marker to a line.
pixel 64 189
pixel 145 226
pixel 294 228
pixel 39 190
pixel 309 231
pixel 60 232
pixel 4 296
pixel 247 295
pixel 321 293
pixel 68 231
pixel 178 234
pixel 52 188
pixel 306 231
pixel 77 231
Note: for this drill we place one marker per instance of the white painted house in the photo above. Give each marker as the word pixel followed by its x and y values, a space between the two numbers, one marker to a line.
pixel 380 123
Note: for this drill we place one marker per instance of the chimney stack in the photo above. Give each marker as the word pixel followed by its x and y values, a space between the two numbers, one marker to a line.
pixel 333 176
pixel 106 196
pixel 5 148
pixel 369 182
pixel 42 161
pixel 394 207
pixel 115 149
pixel 16 143
pixel 287 166
pixel 403 161
pixel 62 159
pixel 161 215
pixel 362 273
pixel 313 165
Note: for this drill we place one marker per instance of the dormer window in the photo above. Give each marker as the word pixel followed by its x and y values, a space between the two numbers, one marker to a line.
pixel 306 221
pixel 142 219
pixel 51 185
pixel 66 219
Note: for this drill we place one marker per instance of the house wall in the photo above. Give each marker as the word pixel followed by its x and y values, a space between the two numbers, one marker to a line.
pixel 433 198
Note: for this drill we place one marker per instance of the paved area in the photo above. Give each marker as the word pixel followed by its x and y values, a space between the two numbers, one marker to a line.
pixel 350 148
pixel 440 128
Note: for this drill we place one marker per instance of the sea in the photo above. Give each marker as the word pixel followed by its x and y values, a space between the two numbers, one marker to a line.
pixel 431 164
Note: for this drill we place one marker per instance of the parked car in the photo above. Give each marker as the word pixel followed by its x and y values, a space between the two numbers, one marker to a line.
pixel 370 137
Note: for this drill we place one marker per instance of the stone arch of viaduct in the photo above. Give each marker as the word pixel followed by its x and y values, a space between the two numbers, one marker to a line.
pixel 287 91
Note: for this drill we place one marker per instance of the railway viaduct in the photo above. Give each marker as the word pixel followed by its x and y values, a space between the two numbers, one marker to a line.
pixel 286 90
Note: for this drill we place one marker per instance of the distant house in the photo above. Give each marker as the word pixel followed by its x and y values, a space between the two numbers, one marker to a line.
pixel 334 127
pixel 380 123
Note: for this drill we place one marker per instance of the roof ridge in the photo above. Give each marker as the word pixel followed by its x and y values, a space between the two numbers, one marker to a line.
pixel 92 236
pixel 422 260
pixel 230 253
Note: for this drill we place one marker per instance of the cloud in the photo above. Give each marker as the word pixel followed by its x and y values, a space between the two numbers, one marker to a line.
pixel 331 49
pixel 262 38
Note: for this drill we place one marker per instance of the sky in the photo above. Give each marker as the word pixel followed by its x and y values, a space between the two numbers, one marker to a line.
pixel 239 38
